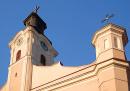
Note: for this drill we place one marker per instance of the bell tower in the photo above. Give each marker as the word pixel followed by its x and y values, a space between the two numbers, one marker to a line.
pixel 42 49
pixel 110 42
pixel 29 47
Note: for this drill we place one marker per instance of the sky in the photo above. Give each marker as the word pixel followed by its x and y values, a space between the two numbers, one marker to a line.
pixel 71 25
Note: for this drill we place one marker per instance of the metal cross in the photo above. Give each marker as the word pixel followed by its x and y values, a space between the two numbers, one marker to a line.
pixel 107 18
pixel 36 9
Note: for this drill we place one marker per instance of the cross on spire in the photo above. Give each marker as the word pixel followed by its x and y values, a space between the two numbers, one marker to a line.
pixel 36 9
pixel 107 18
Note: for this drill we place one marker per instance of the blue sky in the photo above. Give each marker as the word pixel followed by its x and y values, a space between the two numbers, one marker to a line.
pixel 71 25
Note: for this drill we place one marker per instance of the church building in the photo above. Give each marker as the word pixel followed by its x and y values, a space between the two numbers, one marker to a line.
pixel 32 66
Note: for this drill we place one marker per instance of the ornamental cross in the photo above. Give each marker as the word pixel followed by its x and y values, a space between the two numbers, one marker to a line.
pixel 36 9
pixel 107 18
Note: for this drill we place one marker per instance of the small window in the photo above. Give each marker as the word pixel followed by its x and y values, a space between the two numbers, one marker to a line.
pixel 43 60
pixel 18 56
pixel 106 44
pixel 117 43
pixel 16 74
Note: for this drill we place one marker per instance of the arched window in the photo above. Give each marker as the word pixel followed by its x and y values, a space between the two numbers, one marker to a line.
pixel 43 60
pixel 106 44
pixel 18 55
pixel 117 43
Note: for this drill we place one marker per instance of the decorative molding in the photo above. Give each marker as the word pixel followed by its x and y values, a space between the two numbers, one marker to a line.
pixel 74 79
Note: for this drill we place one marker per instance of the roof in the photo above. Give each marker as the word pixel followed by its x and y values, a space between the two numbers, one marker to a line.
pixel 125 38
pixel 33 14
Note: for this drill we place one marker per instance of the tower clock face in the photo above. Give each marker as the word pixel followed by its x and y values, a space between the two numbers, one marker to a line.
pixel 20 41
pixel 43 45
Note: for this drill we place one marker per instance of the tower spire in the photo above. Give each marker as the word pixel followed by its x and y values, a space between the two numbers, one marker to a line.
pixel 35 21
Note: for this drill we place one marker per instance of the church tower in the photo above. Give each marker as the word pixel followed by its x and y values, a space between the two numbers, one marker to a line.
pixel 110 43
pixel 29 47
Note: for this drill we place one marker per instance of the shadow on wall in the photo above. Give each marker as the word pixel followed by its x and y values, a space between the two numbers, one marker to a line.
pixel 128 75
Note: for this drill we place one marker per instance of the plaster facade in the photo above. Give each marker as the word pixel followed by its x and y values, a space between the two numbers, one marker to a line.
pixel 109 72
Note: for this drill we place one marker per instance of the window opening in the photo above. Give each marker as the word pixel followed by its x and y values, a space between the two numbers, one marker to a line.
pixel 106 44
pixel 43 60
pixel 18 56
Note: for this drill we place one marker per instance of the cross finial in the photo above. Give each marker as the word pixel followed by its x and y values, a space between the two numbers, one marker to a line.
pixel 107 18
pixel 36 9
